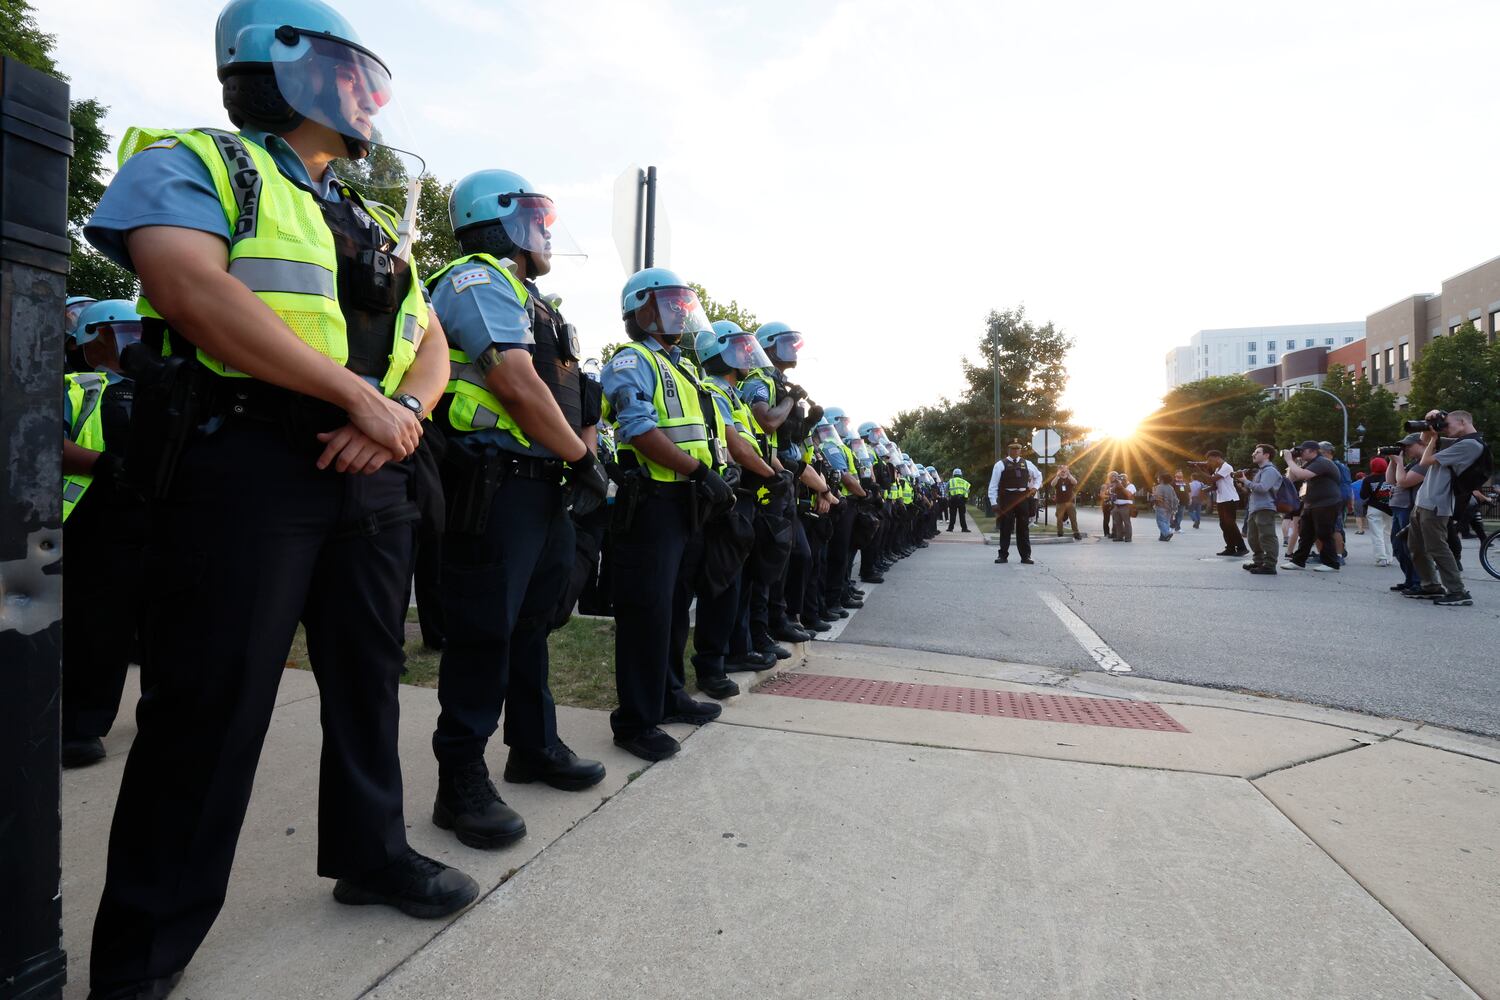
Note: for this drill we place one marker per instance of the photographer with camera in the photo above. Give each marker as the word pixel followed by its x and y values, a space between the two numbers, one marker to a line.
pixel 1227 498
pixel 1375 496
pixel 1262 487
pixel 1121 507
pixel 1322 497
pixel 1403 475
pixel 1443 466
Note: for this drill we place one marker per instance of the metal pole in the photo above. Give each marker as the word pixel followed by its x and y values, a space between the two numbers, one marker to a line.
pixel 640 220
pixel 995 364
pixel 36 143
pixel 650 216
pixel 1287 390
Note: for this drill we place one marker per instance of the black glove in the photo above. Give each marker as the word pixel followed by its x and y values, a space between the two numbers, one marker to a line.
pixel 589 484
pixel 814 414
pixel 712 486
pixel 794 390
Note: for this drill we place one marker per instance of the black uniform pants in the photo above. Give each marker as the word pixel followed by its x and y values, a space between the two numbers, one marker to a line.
pixel 500 589
pixel 428 562
pixel 1229 525
pixel 652 579
pixel 253 538
pixel 1015 518
pixel 1317 524
pixel 103 542
pixel 958 509
pixel 836 567
pixel 794 583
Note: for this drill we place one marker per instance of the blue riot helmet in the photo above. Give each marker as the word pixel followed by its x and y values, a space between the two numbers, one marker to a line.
pixel 658 302
pixel 71 308
pixel 104 330
pixel 726 346
pixel 500 213
pixel 958 472
pixel 781 344
pixel 840 421
pixel 283 62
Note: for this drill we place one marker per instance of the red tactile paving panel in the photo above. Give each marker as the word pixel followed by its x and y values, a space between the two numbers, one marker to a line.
pixel 1110 712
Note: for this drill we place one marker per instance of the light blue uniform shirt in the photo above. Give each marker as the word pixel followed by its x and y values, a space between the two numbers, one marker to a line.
pixel 835 456
pixel 629 383
pixel 479 308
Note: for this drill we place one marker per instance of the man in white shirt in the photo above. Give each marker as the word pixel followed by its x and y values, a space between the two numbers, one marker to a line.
pixel 1122 507
pixel 1012 485
pixel 1228 499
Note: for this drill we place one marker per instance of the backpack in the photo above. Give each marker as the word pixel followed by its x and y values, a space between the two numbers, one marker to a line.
pixel 1287 500
pixel 1469 480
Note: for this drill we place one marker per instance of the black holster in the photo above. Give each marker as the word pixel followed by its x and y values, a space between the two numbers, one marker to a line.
pixel 470 482
pixel 173 402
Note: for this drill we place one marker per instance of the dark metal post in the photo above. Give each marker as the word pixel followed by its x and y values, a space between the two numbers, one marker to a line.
pixel 640 220
pixel 650 216
pixel 36 143
pixel 995 364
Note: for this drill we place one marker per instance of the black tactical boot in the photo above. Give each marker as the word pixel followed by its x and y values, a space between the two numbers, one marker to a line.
pixel 556 765
pixel 468 804
pixel 414 884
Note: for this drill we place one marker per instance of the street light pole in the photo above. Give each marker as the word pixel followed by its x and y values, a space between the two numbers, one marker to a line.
pixel 1287 389
pixel 995 373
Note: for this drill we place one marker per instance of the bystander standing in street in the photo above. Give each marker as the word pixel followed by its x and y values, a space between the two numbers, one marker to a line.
pixel 1404 476
pixel 1180 487
pixel 1375 495
pixel 1164 504
pixel 1122 507
pixel 1262 489
pixel 1065 488
pixel 1433 506
pixel 1195 501
pixel 1322 498
pixel 1227 499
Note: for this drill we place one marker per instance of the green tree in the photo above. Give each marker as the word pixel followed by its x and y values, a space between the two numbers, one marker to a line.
pixel 89 272
pixel 731 310
pixel 437 246
pixel 1032 363
pixel 1198 416
pixel 1459 372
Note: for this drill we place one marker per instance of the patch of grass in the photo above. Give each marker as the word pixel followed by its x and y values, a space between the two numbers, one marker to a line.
pixel 582 655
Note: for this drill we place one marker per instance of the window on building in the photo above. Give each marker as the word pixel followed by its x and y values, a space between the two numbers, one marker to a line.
pixel 1375 367
pixel 1291 345
pixel 1309 342
pixel 1390 364
pixel 1404 353
pixel 1364 371
pixel 1348 340
pixel 1494 324
pixel 1251 359
pixel 1453 328
pixel 1270 359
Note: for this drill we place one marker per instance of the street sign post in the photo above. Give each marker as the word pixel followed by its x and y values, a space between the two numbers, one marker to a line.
pixel 1045 443
pixel 639 225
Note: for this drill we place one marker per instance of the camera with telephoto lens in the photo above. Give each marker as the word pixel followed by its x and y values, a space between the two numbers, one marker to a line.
pixel 1437 423
pixel 1390 450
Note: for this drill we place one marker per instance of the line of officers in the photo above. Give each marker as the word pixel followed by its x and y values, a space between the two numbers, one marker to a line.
pixel 290 423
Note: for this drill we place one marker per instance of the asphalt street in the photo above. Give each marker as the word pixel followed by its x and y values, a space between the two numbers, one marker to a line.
pixel 1174 611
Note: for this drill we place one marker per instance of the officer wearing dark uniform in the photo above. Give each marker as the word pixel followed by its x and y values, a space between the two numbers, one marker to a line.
pixel 668 456
pixel 520 418
pixel 104 531
pixel 1012 485
pixel 299 355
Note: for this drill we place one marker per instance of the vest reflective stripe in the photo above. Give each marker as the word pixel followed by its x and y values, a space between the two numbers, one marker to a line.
pixel 958 486
pixel 282 250
pixel 679 415
pixel 473 407
pixel 261 275
pixel 772 438
pixel 85 391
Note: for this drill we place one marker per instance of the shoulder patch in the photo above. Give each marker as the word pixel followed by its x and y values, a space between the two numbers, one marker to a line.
pixel 167 143
pixel 625 359
pixel 477 276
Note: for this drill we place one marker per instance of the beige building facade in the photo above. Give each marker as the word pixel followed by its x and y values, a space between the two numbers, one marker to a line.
pixel 1396 335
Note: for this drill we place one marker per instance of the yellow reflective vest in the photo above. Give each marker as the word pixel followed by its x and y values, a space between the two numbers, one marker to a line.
pixel 679 415
pixel 282 250
pixel 473 407
pixel 85 392
pixel 958 486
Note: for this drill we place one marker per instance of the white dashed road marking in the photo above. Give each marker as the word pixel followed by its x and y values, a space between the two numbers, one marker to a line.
pixel 1100 650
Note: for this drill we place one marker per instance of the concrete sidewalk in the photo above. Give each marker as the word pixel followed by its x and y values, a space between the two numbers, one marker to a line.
pixel 805 847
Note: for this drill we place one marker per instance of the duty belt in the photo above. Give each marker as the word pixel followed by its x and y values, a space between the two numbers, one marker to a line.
pixel 532 467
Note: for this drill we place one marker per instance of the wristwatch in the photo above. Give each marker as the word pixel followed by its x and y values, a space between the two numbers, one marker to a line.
pixel 411 402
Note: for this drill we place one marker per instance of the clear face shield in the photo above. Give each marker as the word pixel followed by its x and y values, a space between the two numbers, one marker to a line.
pixel 743 352
pixel 348 89
pixel 672 313
pixel 71 312
pixel 862 456
pixel 824 434
pixel 785 347
pixel 108 342
pixel 532 223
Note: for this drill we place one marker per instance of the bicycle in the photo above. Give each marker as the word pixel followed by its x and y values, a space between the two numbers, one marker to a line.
pixel 1489 549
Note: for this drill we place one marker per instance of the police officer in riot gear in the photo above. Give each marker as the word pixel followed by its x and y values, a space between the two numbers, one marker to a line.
pixel 670 450
pixel 300 349
pixel 104 530
pixel 520 419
